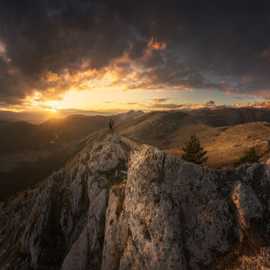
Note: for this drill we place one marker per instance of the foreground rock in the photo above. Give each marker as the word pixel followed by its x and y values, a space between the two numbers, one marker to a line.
pixel 120 205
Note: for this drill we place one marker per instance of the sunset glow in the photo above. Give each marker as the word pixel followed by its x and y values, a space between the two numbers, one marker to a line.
pixel 166 62
pixel 123 85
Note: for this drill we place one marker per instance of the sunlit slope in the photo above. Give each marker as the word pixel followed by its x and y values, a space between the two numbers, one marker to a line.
pixel 232 142
pixel 226 136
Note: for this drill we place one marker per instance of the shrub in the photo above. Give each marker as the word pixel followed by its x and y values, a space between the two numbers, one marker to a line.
pixel 249 156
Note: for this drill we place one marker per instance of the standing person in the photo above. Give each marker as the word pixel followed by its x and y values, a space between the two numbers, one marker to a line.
pixel 111 125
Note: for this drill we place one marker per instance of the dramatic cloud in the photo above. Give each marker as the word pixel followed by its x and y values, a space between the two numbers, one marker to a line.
pixel 50 46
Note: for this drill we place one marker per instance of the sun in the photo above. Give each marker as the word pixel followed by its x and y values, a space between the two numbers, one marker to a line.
pixel 53 106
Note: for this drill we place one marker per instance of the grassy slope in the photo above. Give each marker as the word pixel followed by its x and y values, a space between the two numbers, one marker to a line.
pixel 233 142
pixel 225 145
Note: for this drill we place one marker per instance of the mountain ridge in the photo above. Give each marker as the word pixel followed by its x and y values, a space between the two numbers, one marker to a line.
pixel 122 205
pixel 26 160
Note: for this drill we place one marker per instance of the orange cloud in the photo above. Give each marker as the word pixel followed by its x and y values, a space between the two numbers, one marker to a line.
pixel 122 73
pixel 156 45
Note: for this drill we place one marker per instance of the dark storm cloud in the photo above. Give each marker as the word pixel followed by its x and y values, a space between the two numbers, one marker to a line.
pixel 209 44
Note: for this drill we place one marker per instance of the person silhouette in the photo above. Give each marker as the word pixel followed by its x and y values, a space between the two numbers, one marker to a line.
pixel 111 125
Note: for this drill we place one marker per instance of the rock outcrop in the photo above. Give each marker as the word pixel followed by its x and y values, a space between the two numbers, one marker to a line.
pixel 119 205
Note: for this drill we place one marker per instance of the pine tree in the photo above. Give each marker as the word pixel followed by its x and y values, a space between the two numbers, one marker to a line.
pixel 194 152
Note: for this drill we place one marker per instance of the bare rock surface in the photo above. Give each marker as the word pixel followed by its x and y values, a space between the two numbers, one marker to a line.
pixel 119 205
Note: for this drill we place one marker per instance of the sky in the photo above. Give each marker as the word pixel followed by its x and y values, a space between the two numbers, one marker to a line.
pixel 116 55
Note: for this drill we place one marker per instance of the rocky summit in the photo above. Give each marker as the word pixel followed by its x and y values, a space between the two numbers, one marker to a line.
pixel 119 205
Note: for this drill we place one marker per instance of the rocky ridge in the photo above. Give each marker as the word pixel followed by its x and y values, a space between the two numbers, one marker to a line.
pixel 120 205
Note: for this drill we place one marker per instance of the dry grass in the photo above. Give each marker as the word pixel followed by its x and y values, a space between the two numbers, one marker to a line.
pixel 225 146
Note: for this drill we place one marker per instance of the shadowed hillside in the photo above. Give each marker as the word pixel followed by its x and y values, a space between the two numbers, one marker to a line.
pixel 29 153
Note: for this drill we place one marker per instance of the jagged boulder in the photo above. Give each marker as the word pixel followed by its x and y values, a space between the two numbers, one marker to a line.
pixel 119 205
pixel 176 217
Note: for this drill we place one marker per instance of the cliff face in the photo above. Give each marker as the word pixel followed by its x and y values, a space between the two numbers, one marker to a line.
pixel 120 205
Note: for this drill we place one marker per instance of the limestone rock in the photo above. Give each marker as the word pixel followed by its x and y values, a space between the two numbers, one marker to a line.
pixel 119 206
pixel 248 206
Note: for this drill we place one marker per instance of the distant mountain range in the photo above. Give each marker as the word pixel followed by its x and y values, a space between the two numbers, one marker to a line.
pixel 38 117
